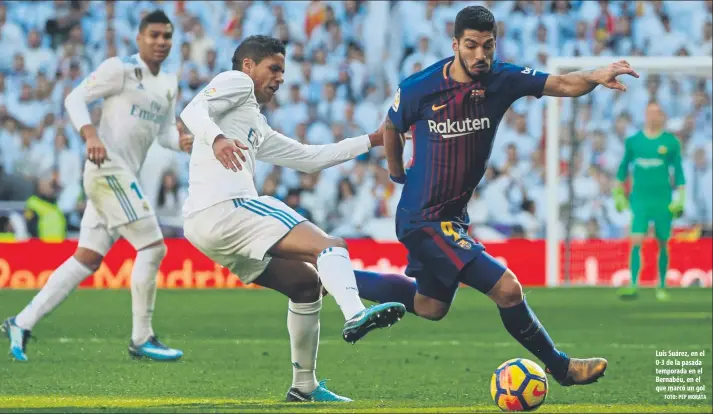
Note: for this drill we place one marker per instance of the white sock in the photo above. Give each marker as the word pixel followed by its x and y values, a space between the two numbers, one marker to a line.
pixel 303 326
pixel 337 275
pixel 143 291
pixel 59 285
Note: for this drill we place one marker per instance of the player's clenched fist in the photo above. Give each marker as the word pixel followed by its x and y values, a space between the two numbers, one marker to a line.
pixel 225 151
pixel 96 152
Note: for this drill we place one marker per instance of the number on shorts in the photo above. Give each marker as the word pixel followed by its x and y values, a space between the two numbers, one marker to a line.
pixel 135 187
pixel 448 230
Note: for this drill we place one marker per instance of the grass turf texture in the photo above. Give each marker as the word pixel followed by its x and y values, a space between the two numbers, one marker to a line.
pixel 238 357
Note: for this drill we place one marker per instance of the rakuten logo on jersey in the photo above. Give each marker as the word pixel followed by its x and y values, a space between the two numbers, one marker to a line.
pixel 452 129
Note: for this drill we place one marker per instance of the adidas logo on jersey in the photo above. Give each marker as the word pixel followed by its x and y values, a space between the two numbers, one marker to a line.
pixel 452 129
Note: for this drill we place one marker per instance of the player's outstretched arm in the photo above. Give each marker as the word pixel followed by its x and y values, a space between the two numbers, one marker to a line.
pixel 107 80
pixel 576 84
pixel 287 152
pixel 394 148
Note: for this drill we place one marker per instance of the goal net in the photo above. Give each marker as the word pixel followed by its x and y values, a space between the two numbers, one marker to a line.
pixel 586 238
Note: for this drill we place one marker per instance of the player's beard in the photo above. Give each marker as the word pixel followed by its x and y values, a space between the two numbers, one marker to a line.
pixel 465 67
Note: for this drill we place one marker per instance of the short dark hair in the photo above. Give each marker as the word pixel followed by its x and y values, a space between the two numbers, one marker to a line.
pixel 257 48
pixel 156 16
pixel 474 18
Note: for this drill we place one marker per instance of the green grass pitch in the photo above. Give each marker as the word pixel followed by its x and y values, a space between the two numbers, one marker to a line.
pixel 237 354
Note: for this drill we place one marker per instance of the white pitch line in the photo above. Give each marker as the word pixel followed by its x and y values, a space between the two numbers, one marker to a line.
pixel 400 343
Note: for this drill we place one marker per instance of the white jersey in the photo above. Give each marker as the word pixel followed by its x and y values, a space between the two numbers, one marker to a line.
pixel 138 107
pixel 227 106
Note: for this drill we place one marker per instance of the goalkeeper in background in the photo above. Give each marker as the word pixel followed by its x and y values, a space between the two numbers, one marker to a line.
pixel 652 152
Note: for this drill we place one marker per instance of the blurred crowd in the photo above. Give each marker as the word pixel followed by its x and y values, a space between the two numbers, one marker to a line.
pixel 344 62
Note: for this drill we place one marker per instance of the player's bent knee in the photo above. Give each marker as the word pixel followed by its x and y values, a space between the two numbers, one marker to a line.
pixel 157 249
pixel 432 314
pixel 508 291
pixel 429 308
pixel 324 244
pixel 339 242
pixel 331 241
pixel 306 291
pixel 637 239
pixel 89 258
pixel 143 233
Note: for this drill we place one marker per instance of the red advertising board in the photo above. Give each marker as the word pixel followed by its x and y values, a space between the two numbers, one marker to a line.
pixel 27 265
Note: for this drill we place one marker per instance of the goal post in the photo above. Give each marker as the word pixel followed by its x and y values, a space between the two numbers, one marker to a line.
pixel 687 65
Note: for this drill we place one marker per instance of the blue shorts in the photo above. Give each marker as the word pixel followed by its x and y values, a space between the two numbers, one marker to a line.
pixel 441 255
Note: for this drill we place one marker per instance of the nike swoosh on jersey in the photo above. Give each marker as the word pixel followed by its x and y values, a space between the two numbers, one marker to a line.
pixel 437 108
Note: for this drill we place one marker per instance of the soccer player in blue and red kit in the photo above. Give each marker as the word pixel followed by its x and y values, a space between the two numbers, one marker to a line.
pixel 454 108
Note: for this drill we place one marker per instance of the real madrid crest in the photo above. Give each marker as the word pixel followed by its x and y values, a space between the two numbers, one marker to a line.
pixel 139 74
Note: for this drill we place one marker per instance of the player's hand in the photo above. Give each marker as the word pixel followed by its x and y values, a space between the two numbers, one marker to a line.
pixel 185 142
pixel 620 201
pixel 225 151
pixel 621 204
pixel 676 208
pixel 96 152
pixel 607 76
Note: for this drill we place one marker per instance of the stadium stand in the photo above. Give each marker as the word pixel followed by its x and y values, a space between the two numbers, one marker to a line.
pixel 345 60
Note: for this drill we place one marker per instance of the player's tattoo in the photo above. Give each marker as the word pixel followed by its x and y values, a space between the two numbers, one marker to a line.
pixel 389 126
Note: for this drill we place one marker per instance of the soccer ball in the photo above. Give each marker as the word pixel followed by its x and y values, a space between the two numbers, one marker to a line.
pixel 518 385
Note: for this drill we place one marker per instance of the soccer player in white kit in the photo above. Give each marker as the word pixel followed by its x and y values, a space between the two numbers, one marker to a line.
pixel 259 238
pixel 139 105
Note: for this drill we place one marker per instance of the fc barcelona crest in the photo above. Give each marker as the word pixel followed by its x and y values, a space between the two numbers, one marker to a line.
pixel 464 244
pixel 477 95
pixel 139 74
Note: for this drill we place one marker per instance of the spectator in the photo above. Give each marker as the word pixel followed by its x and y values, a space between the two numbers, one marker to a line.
pixel 527 219
pixel 35 160
pixel 68 168
pixel 26 109
pixel 343 67
pixel 294 202
pixel 201 43
pixel 423 55
pixel 170 198
pixel 330 108
pixel 210 69
pixel 699 204
pixel 9 31
pixel 44 219
pixel 669 41
pixel 38 58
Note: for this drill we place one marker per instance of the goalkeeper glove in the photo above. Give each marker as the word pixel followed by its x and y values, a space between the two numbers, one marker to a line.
pixel 676 206
pixel 620 201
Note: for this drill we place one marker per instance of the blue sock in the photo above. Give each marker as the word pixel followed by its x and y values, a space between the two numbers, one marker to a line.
pixel 523 325
pixel 386 287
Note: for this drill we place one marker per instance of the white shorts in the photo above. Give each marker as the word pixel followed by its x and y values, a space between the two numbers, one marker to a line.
pixel 117 196
pixel 114 212
pixel 238 233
